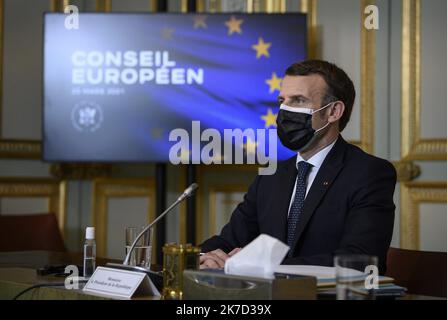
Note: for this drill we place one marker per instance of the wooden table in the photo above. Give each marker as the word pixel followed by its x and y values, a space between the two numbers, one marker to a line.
pixel 18 271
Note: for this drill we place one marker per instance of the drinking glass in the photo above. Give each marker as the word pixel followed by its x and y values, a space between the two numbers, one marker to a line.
pixel 356 277
pixel 142 253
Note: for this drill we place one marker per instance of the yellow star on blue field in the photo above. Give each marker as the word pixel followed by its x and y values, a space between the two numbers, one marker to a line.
pixel 262 48
pixel 274 83
pixel 234 25
pixel 200 22
pixel 269 118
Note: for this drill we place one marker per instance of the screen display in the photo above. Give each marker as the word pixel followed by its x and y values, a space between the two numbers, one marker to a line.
pixel 119 87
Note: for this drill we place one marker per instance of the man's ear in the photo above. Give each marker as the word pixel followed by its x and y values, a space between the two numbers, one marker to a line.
pixel 336 112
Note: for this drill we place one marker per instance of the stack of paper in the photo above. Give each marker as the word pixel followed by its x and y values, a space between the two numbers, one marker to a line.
pixel 326 276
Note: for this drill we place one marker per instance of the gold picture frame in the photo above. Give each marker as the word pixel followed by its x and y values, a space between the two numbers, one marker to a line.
pixel 54 190
pixel 228 188
pixel 208 188
pixel 413 146
pixel 413 194
pixel 103 189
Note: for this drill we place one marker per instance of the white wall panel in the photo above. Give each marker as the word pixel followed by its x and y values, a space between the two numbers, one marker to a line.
pixel 22 68
pixel 434 69
pixel 122 213
pixel 433 227
pixel 339 31
pixel 23 206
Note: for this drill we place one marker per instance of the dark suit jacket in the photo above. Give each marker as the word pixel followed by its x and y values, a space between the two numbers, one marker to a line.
pixel 349 209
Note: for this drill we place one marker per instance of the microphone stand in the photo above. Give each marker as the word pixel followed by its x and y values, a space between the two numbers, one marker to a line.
pixel 125 265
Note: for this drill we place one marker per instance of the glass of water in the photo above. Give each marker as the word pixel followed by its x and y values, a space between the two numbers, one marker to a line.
pixel 142 253
pixel 356 277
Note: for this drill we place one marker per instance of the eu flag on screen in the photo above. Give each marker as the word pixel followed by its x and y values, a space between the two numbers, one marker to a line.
pixel 116 86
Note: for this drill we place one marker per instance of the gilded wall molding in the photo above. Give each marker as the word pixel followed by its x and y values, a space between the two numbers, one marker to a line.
pixel 206 193
pixel 103 189
pixel 413 194
pixel 310 8
pixel 59 5
pixel 81 171
pixel 213 6
pixel 103 5
pixel 54 190
pixel 410 87
pixel 201 6
pixel 275 6
pixel 406 170
pixel 367 82
pixel 414 147
pixel 20 149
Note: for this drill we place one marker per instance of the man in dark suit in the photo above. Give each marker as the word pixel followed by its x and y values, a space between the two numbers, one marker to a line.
pixel 330 199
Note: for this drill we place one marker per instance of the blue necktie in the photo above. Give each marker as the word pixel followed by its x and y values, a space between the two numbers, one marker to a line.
pixel 298 201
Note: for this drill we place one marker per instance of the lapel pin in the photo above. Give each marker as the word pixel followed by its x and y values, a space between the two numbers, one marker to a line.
pixel 326 183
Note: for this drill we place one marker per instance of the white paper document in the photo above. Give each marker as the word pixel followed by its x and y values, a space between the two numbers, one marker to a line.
pixel 320 272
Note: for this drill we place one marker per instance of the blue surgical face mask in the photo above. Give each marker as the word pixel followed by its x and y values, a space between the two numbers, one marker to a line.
pixel 295 126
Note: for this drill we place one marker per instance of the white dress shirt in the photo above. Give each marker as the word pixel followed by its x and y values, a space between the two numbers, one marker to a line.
pixel 316 161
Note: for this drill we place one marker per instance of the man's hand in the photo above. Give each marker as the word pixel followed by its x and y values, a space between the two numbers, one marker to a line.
pixel 216 259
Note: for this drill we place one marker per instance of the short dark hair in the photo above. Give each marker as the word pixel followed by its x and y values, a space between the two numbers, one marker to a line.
pixel 339 85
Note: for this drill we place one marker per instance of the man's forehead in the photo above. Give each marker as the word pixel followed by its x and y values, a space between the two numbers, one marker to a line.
pixel 309 86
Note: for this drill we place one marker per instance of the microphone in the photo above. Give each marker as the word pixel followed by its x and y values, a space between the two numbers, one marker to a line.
pixel 188 192
pixel 125 265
